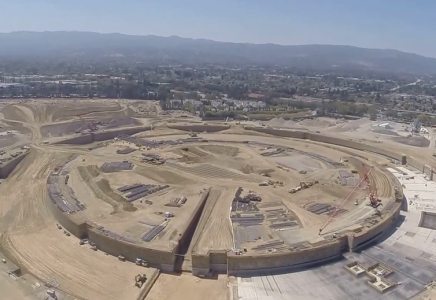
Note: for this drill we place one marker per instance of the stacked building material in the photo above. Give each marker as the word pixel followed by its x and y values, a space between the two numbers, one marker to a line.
pixel 272 245
pixel 324 209
pixel 116 166
pixel 151 234
pixel 140 141
pixel 241 207
pixel 115 235
pixel 248 234
pixel 137 191
pixel 275 152
pixel 247 219
pixel 153 159
pixel 55 195
pixel 125 150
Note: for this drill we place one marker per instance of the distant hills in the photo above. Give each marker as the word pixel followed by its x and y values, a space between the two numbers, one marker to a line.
pixel 75 45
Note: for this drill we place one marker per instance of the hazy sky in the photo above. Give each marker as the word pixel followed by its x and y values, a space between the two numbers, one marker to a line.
pixel 399 24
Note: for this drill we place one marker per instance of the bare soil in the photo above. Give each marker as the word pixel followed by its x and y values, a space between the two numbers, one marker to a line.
pixel 415 141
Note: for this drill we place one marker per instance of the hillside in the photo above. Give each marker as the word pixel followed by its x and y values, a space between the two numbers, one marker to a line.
pixel 69 45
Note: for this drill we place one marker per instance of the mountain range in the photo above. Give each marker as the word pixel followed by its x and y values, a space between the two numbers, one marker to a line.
pixel 89 45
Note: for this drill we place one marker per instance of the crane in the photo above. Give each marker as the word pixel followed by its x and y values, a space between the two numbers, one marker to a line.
pixel 364 178
pixel 374 200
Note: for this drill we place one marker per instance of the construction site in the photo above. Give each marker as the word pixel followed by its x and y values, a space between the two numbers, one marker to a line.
pixel 104 203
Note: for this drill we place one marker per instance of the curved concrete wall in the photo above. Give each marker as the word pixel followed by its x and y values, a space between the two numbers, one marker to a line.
pixel 79 140
pixel 156 258
pixel 102 136
pixel 220 261
pixel 357 241
pixel 326 139
pixel 200 128
pixel 250 264
pixel 7 168
pixel 76 228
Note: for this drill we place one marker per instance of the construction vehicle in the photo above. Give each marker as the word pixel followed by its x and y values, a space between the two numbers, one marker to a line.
pixel 303 185
pixel 121 258
pixel 52 294
pixel 140 280
pixel 334 213
pixel 374 200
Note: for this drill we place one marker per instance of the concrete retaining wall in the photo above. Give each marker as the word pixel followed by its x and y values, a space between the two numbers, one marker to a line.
pixel 76 228
pixel 155 258
pixel 200 264
pixel 357 241
pixel 7 168
pixel 255 264
pixel 221 261
pixel 200 128
pixel 79 140
pixel 327 140
pixel 278 132
pixel 218 261
pixel 102 136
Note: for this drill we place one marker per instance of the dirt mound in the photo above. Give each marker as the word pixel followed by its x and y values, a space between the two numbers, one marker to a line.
pixel 66 128
pixel 343 125
pixel 192 155
pixel 385 131
pixel 11 112
pixel 69 112
pixel 103 191
pixel 415 141
pixel 106 189
pixel 282 123
pixel 221 150
pixel 316 123
pixel 161 176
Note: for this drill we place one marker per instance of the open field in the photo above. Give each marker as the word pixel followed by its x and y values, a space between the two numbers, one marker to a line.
pixel 173 287
pixel 248 206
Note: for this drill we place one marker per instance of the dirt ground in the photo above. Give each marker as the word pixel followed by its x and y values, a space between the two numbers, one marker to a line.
pixel 27 227
pixel 185 286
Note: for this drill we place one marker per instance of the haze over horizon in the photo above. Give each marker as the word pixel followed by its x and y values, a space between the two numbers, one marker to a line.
pixel 370 24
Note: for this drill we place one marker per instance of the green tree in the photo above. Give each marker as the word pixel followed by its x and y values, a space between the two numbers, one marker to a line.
pixel 372 111
pixel 391 113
